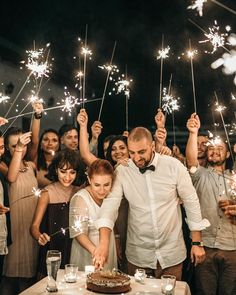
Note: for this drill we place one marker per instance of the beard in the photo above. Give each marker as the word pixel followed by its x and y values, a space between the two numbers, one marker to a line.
pixel 216 163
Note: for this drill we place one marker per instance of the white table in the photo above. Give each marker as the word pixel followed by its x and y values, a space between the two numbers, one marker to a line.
pixel 151 287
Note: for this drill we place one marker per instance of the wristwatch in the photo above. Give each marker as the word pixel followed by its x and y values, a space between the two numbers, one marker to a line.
pixel 200 244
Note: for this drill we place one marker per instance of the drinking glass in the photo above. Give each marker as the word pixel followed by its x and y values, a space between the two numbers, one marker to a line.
pixel 70 273
pixel 140 275
pixel 168 284
pixel 53 261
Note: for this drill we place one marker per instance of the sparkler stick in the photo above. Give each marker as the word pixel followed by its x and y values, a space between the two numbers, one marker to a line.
pixel 161 73
pixel 220 109
pixel 163 53
pixel 50 109
pixel 191 55
pixel 16 117
pixel 85 60
pixel 173 122
pixel 109 68
pixel 18 94
pixel 126 104
pixel 35 192
pixel 198 5
pixel 224 6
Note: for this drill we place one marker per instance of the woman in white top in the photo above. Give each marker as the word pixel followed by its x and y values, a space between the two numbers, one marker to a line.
pixel 84 208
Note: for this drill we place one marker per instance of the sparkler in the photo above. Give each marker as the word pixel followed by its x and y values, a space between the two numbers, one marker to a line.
pixel 198 5
pixel 170 103
pixel 85 52
pixel 80 223
pixel 162 54
pixel 37 63
pixel 191 53
pixel 109 69
pixel 214 36
pixel 220 109
pixel 228 59
pixel 49 109
pixel 69 102
pixel 123 85
pixel 3 98
pixel 36 192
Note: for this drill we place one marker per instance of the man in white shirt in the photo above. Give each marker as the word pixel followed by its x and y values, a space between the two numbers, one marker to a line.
pixel 153 185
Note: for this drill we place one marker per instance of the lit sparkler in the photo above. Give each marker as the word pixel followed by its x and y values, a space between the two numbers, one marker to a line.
pixel 81 222
pixel 169 102
pixel 228 59
pixel 36 192
pixel 123 85
pixel 110 71
pixel 214 36
pixel 3 98
pixel 198 5
pixel 68 102
pixel 191 53
pixel 163 54
pixel 220 109
pixel 37 63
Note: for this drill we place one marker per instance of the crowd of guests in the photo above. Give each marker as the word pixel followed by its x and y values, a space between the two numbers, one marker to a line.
pixel 140 206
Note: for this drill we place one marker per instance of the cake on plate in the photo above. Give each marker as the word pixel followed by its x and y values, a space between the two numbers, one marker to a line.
pixel 108 282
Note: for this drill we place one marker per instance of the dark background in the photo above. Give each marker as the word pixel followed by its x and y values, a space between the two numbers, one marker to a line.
pixel 137 26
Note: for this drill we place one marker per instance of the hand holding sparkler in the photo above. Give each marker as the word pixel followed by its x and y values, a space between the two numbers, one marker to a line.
pixel 82 118
pixel 160 135
pixel 160 119
pixel 3 209
pixel 38 107
pixel 96 129
pixel 3 121
pixel 193 123
pixel 43 239
pixel 23 140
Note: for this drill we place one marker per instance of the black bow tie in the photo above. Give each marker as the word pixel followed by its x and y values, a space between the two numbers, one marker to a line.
pixel 144 169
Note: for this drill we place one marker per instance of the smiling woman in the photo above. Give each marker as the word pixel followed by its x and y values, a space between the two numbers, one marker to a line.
pixel 52 212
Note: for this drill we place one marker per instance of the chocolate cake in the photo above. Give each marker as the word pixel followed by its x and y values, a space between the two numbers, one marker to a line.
pixel 108 282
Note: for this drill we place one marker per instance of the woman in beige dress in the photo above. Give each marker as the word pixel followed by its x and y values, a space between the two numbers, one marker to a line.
pixel 21 262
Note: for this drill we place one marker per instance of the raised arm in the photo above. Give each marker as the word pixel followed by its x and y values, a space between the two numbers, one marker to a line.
pixel 85 153
pixel 193 125
pixel 33 147
pixel 40 210
pixel 96 130
pixel 16 160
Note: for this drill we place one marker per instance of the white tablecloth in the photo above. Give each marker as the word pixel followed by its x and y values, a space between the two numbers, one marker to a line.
pixel 150 287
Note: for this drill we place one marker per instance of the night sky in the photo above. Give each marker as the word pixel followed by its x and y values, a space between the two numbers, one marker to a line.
pixel 137 26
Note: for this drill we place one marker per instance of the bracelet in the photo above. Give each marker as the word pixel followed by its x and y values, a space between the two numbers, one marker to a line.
pixel 38 116
pixel 117 236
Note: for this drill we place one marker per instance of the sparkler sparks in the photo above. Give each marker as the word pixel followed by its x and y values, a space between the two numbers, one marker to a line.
pixel 69 102
pixel 123 85
pixel 213 140
pixel 220 108
pixel 198 5
pixel 37 63
pixel 191 53
pixel 163 53
pixel 216 38
pixel 228 59
pixel 3 98
pixel 36 192
pixel 169 102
